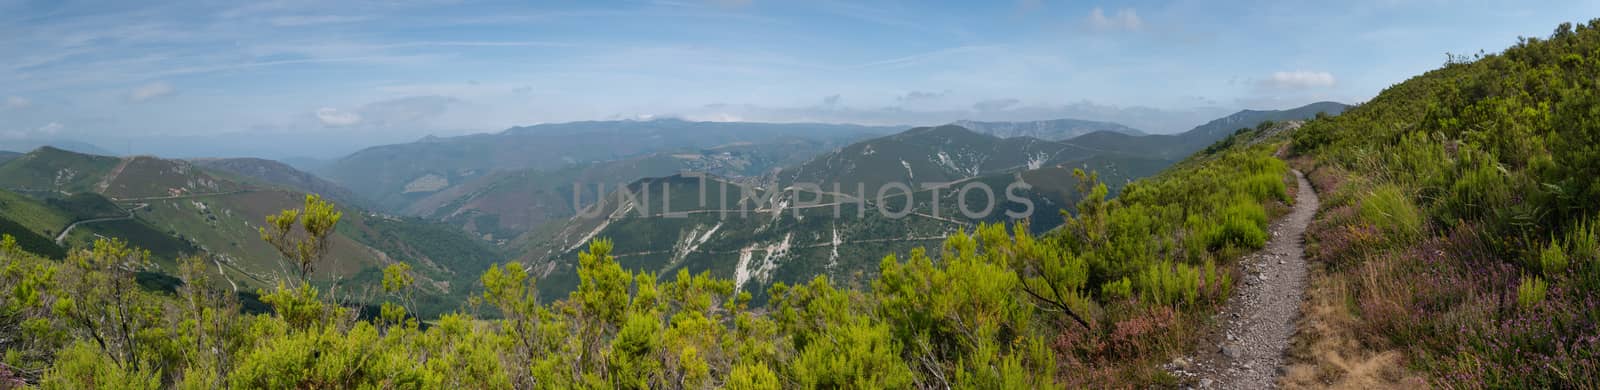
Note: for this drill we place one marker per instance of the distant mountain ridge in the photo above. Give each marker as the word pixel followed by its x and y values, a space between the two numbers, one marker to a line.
pixel 176 208
pixel 785 240
pixel 1181 145
pixel 27 145
pixel 393 176
pixel 277 173
pixel 1050 130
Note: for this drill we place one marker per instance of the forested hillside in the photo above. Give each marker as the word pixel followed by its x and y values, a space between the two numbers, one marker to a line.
pixel 1460 229
pixel 1102 301
pixel 54 201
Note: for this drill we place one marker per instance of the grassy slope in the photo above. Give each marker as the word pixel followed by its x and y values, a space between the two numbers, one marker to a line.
pixel 30 240
pixel 49 169
pixel 37 216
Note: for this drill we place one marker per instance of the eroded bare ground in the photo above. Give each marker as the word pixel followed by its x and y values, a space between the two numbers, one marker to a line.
pixel 1257 324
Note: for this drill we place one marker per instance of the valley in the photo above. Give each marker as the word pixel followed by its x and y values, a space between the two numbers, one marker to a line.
pixel 502 198
pixel 763 195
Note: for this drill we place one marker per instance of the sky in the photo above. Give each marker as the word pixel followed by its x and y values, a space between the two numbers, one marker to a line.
pixel 315 75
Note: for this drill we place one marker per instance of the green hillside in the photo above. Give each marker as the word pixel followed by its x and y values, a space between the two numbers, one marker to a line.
pixel 1462 215
pixel 37 216
pixel 174 208
pixel 149 177
pixel 1178 146
pixel 30 240
pixel 48 169
pixel 269 173
pixel 758 234
pixel 992 300
pixel 501 206
pixel 394 176
pixel 932 155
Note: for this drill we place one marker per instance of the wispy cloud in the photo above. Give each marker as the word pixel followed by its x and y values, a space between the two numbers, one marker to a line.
pixel 150 91
pixel 995 105
pixel 307 20
pixel 919 58
pixel 921 96
pixel 49 129
pixel 1125 19
pixel 334 118
pixel 1299 79
pixel 18 102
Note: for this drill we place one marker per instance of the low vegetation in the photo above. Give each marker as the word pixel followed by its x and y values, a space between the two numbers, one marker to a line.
pixel 1461 214
pixel 1120 288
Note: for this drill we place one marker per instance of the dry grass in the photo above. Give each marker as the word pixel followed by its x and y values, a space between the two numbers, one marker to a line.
pixel 1328 352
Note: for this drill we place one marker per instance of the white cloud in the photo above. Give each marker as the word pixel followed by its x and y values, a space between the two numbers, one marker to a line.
pixel 150 91
pixel 1300 79
pixel 18 102
pixel 1149 119
pixel 49 129
pixel 336 118
pixel 1125 19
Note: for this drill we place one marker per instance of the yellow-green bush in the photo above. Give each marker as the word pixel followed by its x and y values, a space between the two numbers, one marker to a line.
pixel 1390 209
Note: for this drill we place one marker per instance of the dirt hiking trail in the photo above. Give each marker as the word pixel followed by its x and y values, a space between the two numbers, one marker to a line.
pixel 1258 323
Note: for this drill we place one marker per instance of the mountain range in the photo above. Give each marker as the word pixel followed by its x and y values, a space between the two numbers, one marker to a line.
pixel 393 176
pixel 451 206
pixel 1053 130
pixel 176 208
pixel 788 230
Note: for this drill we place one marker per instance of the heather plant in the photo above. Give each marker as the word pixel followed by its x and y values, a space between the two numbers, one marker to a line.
pixel 1491 161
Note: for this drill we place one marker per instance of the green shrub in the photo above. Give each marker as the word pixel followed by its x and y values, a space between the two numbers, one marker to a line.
pixel 1583 244
pixel 1476 191
pixel 1531 292
pixel 1264 186
pixel 1243 226
pixel 1553 259
pixel 1168 284
pixel 1391 211
pixel 1122 288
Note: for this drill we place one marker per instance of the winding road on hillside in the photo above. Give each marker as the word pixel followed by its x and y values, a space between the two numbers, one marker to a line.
pixel 64 232
pixel 1258 323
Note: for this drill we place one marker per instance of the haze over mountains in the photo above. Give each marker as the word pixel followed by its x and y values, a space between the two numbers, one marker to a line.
pixel 451 205
pixel 1052 130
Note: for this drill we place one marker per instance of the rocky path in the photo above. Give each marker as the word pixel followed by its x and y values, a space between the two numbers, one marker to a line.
pixel 1258 323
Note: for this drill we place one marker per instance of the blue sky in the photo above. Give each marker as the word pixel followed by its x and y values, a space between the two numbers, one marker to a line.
pixel 394 70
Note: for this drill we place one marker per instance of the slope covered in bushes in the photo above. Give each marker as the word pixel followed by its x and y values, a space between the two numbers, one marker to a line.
pixel 1121 288
pixel 1462 211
